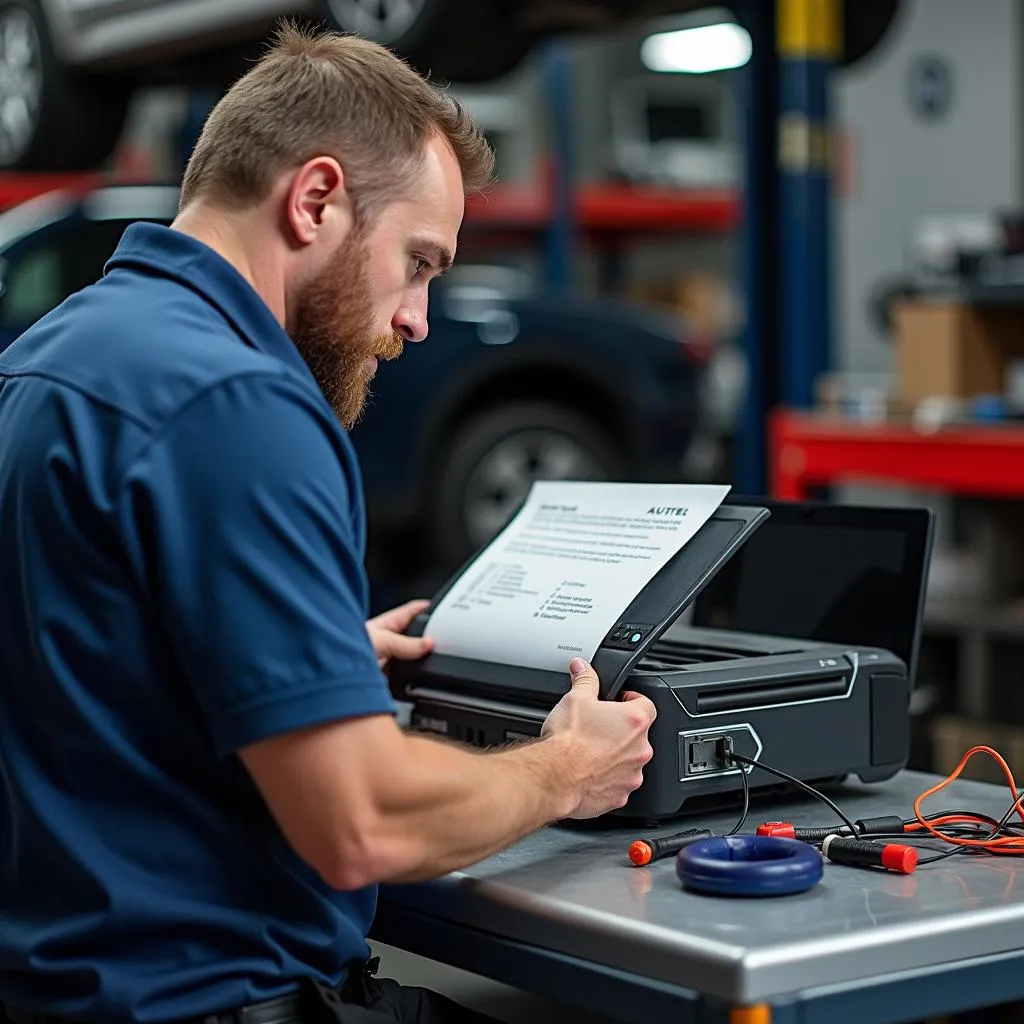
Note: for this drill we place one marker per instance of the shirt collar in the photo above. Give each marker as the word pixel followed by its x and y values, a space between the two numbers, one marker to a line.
pixel 173 254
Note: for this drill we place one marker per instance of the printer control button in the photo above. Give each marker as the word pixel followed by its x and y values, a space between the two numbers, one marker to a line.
pixel 627 636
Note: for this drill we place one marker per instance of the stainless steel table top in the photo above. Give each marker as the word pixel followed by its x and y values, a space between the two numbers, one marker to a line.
pixel 574 892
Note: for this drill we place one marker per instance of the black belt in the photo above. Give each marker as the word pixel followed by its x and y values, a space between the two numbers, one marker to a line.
pixel 291 1008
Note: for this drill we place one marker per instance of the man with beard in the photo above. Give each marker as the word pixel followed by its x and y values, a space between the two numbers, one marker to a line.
pixel 202 777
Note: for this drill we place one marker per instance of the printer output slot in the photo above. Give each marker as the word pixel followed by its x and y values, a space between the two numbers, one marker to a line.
pixel 468 694
pixel 742 697
pixel 460 701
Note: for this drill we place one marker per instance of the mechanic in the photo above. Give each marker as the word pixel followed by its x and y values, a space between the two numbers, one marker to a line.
pixel 203 780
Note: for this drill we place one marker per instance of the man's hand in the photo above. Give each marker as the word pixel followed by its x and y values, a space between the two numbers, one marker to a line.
pixel 608 740
pixel 387 634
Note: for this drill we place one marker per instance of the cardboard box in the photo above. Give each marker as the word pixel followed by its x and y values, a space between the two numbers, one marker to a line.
pixel 953 351
pixel 952 736
pixel 703 300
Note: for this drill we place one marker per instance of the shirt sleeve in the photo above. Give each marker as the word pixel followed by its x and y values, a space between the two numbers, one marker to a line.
pixel 240 516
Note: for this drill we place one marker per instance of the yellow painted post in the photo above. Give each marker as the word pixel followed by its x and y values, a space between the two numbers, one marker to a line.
pixel 809 29
pixel 808 43
pixel 759 1014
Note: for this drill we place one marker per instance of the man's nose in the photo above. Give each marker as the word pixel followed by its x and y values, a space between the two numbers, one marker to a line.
pixel 411 322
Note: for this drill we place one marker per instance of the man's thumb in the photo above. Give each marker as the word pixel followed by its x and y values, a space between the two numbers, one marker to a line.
pixel 583 676
pixel 406 648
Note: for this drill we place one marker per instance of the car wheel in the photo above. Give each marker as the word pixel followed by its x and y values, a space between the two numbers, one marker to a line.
pixel 396 23
pixel 453 40
pixel 494 460
pixel 49 120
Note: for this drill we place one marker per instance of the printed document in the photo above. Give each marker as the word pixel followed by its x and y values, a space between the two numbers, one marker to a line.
pixel 562 573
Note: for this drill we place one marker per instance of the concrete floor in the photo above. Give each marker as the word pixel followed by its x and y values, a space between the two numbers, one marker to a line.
pixel 509 1005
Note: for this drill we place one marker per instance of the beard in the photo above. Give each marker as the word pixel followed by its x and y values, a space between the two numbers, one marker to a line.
pixel 331 325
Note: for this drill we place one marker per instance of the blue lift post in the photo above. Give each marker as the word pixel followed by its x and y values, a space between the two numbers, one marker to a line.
pixel 809 41
pixel 759 243
pixel 560 247
pixel 197 108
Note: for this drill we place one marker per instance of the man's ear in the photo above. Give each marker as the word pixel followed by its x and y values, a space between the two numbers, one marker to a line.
pixel 317 203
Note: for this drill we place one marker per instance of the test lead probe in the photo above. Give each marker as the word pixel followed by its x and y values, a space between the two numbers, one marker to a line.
pixel 896 857
pixel 646 851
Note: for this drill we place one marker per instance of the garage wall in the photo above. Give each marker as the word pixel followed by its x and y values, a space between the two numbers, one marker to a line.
pixel 597 64
pixel 900 166
pixel 904 167
pixel 601 67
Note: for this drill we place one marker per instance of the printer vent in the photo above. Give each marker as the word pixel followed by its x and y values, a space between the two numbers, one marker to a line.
pixel 668 655
pixel 772 691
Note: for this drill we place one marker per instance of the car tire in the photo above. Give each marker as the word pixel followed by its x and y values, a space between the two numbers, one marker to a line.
pixel 50 119
pixel 494 457
pixel 450 40
pixel 866 24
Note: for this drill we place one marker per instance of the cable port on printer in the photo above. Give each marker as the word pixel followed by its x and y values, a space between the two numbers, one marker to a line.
pixel 708 754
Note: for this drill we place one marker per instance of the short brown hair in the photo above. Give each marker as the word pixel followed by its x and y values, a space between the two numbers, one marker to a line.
pixel 323 93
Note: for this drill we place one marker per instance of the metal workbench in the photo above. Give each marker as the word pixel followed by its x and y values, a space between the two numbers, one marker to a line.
pixel 564 914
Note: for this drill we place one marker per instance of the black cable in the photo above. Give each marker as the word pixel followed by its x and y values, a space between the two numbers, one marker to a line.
pixel 991 822
pixel 904 837
pixel 1005 820
pixel 964 830
pixel 999 828
pixel 746 804
pixel 796 782
pixel 935 858
pixel 914 840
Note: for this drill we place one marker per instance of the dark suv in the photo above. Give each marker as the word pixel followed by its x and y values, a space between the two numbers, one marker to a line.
pixel 511 386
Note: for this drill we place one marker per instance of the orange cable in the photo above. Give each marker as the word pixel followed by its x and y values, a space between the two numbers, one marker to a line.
pixel 1002 844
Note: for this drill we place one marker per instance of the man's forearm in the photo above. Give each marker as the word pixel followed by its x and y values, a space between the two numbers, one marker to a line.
pixel 459 806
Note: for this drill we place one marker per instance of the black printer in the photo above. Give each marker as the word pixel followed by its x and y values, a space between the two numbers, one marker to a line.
pixel 787 632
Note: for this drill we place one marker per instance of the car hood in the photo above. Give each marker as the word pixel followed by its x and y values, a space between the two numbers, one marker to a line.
pixel 641 321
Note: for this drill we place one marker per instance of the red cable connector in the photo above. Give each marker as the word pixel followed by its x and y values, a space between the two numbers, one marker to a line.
pixel 777 828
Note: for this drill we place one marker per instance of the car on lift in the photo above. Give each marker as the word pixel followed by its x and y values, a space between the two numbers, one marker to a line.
pixel 68 68
pixel 513 385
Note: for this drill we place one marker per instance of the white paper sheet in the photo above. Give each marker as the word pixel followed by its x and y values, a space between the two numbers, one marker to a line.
pixel 553 583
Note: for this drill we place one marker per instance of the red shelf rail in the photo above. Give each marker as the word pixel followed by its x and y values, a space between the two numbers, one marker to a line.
pixel 19 188
pixel 598 208
pixel 609 208
pixel 808 450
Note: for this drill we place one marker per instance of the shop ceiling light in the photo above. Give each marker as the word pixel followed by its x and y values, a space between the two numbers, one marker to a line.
pixel 697 51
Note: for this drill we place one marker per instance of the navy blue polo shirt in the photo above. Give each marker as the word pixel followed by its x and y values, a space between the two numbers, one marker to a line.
pixel 181 548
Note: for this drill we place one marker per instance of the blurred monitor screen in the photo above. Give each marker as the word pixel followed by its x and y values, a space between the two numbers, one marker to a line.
pixel 842 574
pixel 671 122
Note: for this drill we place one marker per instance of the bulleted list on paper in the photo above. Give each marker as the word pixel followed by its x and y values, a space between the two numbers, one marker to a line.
pixel 562 573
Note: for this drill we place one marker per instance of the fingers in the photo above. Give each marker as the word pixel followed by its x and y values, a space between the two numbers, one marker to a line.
pixel 405 648
pixel 584 677
pixel 398 619
pixel 645 703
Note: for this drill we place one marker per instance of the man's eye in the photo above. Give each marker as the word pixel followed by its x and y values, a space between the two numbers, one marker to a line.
pixel 422 266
